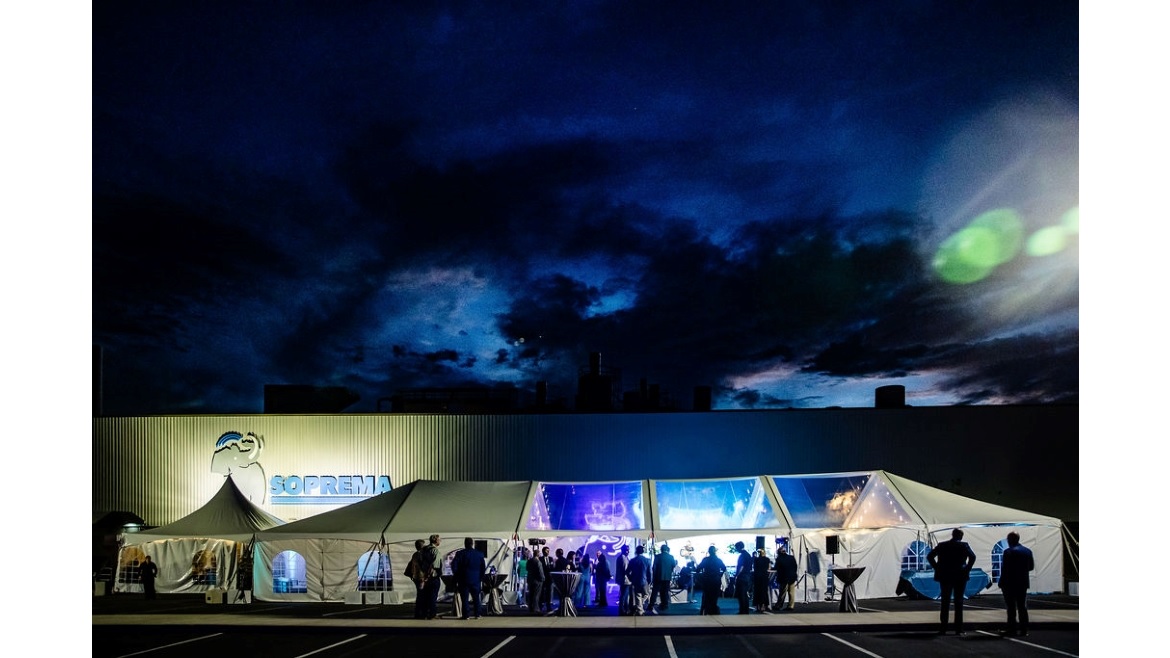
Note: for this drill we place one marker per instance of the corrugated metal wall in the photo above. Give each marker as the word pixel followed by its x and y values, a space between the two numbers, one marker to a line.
pixel 1024 457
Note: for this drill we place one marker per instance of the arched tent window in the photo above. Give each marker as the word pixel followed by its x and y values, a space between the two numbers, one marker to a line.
pixel 997 559
pixel 374 573
pixel 288 573
pixel 128 568
pixel 914 557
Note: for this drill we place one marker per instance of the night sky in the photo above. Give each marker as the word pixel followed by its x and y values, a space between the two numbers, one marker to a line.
pixel 793 203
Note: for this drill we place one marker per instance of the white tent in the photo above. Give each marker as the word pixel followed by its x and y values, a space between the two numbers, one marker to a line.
pixel 366 545
pixel 887 523
pixel 200 551
pixel 880 521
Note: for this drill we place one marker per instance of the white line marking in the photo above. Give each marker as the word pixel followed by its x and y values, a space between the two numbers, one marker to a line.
pixel 336 644
pixel 1025 642
pixel 852 646
pixel 670 647
pixel 168 646
pixel 500 646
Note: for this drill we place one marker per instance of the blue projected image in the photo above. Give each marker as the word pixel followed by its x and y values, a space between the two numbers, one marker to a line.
pixel 714 504
pixel 820 501
pixel 595 507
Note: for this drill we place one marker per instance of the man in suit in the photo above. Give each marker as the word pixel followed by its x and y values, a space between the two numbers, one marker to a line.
pixel 623 563
pixel 469 566
pixel 638 573
pixel 786 577
pixel 1014 583
pixel 149 571
pixel 433 576
pixel 536 578
pixel 546 592
pixel 743 578
pixel 952 561
pixel 664 564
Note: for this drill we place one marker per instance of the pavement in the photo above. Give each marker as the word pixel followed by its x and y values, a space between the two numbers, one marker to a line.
pixel 984 613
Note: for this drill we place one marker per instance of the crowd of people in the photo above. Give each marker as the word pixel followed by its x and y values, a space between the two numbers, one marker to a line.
pixel 647 586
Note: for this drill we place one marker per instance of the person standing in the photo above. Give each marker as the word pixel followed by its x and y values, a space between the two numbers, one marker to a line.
pixel 546 592
pixel 431 564
pixel 623 581
pixel 1014 582
pixel 638 573
pixel 468 568
pixel 561 563
pixel 761 581
pixel 536 578
pixel 743 578
pixel 601 576
pixel 585 566
pixel 149 571
pixel 414 571
pixel 521 578
pixel 952 561
pixel 711 571
pixel 664 564
pixel 786 578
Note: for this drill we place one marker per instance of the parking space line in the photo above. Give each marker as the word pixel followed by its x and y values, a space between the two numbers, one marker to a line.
pixel 1031 644
pixel 500 646
pixel 670 647
pixel 168 646
pixel 851 645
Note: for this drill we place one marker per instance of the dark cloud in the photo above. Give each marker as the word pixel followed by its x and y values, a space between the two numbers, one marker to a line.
pixel 387 196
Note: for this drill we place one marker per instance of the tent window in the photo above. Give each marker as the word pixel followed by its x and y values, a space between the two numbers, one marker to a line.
pixel 203 568
pixel 717 504
pixel 610 507
pixel 374 572
pixel 288 573
pixel 128 569
pixel 820 501
pixel 997 559
pixel 914 557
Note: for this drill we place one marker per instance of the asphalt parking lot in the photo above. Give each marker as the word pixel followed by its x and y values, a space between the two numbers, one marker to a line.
pixel 185 625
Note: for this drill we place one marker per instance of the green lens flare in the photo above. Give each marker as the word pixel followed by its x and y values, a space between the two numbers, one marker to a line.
pixel 952 263
pixel 989 240
pixel 1007 231
pixel 1047 241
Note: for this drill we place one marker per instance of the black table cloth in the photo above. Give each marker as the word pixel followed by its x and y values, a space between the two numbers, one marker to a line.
pixel 566 584
pixel 848 575
pixel 494 601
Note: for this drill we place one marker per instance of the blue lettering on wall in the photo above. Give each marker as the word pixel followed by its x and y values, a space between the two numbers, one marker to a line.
pixel 325 489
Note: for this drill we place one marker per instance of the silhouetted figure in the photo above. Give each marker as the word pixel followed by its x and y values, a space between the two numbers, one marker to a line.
pixel 601 576
pixel 761 581
pixel 536 580
pixel 664 564
pixel 623 581
pixel 1014 582
pixel 786 579
pixel 468 569
pixel 711 571
pixel 743 578
pixel 149 572
pixel 952 561
pixel 416 573
pixel 430 591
